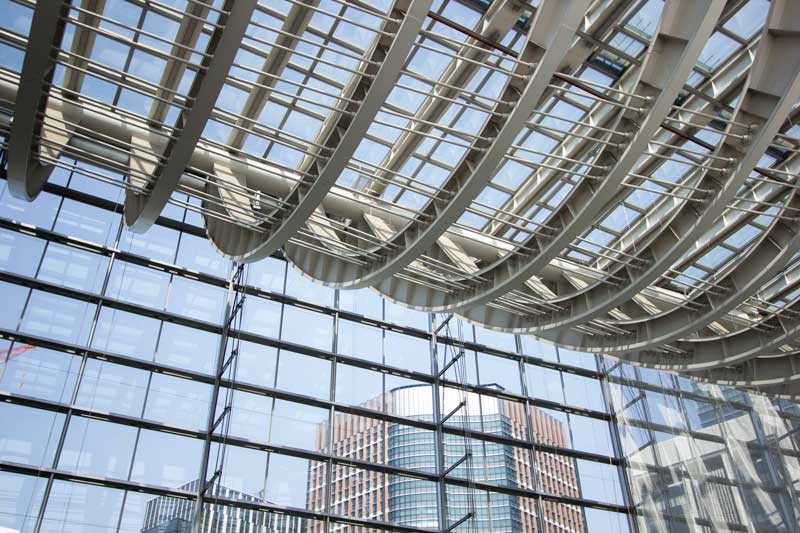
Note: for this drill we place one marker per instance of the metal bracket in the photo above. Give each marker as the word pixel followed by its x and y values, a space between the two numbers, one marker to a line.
pixel 456 464
pixel 461 521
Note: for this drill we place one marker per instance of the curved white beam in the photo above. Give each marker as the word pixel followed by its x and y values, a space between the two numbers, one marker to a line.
pixel 253 244
pixel 141 210
pixel 733 360
pixel 26 175
pixel 675 48
pixel 771 95
pixel 500 18
pixel 189 31
pixel 549 41
pixel 296 22
pixel 765 261
pixel 682 229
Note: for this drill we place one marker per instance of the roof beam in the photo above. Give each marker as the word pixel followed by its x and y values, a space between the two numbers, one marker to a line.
pixel 368 92
pixel 26 175
pixel 675 234
pixel 773 90
pixel 549 40
pixel 295 24
pixel 498 21
pixel 141 210
pixel 82 44
pixel 188 33
pixel 674 51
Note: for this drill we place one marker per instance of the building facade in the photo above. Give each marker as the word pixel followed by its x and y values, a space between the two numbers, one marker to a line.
pixel 412 503
pixel 110 348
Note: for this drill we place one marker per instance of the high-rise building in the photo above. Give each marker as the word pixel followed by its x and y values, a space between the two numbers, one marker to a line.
pixel 411 503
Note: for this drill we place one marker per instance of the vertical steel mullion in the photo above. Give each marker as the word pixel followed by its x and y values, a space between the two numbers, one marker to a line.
pixel 616 444
pixel 78 379
pixel 139 430
pixel 197 522
pixel 438 436
pixel 270 417
pixel 540 526
pixel 331 414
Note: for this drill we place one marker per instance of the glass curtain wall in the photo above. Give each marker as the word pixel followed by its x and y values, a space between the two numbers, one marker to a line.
pixel 706 458
pixel 343 412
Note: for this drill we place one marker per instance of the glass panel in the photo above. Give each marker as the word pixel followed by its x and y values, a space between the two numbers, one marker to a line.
pixel 20 501
pixel 97 448
pixel 126 333
pixel 309 328
pixel 178 402
pixel 360 340
pixel 165 459
pixel 38 372
pixel 193 299
pixel 19 253
pixel 58 317
pixel 188 348
pixel 113 388
pixel 73 268
pixel 158 243
pixel 198 254
pixel 295 369
pixel 138 285
pixel 76 508
pixel 35 436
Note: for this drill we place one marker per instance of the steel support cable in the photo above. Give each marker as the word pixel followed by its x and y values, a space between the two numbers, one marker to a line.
pixel 141 210
pixel 367 94
pixel 551 34
pixel 651 81
pixel 666 244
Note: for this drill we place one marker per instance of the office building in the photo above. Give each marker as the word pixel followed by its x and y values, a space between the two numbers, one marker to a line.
pixel 412 503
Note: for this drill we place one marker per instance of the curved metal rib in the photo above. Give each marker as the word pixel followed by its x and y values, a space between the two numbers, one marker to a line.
pixel 675 238
pixel 550 35
pixel 141 210
pixel 260 242
pixel 766 260
pixel 770 96
pixel 736 360
pixel 26 175
pixel 670 55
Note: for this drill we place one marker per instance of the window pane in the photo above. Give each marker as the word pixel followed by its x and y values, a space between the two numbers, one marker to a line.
pixel 309 328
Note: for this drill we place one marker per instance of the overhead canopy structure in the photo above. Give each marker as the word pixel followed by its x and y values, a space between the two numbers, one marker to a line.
pixel 614 176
